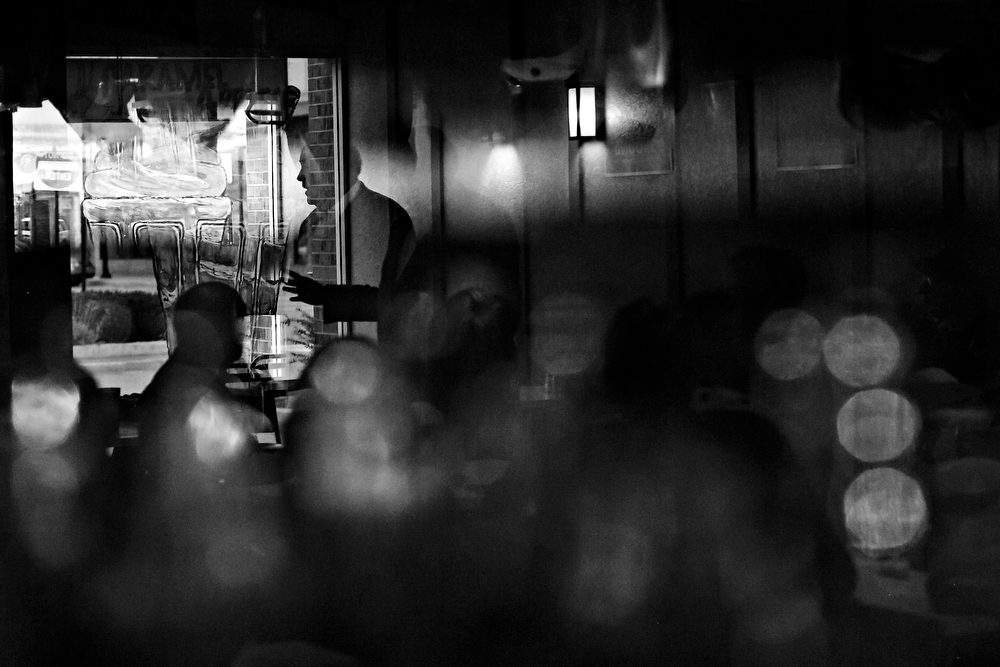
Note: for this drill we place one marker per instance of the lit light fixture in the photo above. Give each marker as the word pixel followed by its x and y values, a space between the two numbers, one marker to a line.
pixel 583 108
pixel 496 138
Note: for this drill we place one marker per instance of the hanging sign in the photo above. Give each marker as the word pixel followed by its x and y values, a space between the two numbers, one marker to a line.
pixel 58 171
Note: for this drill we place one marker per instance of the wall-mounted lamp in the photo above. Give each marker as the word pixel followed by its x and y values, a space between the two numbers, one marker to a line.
pixel 584 110
pixel 271 109
pixel 514 86
pixel 496 138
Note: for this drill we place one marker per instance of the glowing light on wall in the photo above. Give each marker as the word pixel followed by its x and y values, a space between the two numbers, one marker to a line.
pixel 884 509
pixel 877 425
pixel 503 176
pixel 862 350
pixel 788 345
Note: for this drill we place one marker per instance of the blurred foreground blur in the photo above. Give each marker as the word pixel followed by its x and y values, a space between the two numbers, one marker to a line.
pixel 723 482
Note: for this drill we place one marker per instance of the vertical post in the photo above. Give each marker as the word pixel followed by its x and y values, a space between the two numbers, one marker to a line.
pixel 576 185
pixel 746 147
pixel 103 256
pixel 6 247
pixel 7 217
pixel 83 255
pixel 274 184
pixel 54 220
pixel 339 134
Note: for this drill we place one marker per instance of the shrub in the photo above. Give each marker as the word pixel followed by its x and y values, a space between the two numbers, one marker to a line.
pixel 148 322
pixel 116 317
pixel 101 320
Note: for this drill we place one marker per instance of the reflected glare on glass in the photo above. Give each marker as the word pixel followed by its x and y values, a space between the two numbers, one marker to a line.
pixel 217 432
pixel 346 373
pixel 568 332
pixel 877 425
pixel 788 345
pixel 613 572
pixel 352 466
pixel 43 413
pixel 245 555
pixel 45 487
pixel 624 528
pixel 884 509
pixel 45 473
pixel 862 350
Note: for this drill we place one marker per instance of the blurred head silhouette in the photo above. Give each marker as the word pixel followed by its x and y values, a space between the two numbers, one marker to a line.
pixel 205 320
pixel 636 359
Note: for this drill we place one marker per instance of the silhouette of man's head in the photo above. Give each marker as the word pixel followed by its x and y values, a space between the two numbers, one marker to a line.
pixel 205 320
pixel 312 166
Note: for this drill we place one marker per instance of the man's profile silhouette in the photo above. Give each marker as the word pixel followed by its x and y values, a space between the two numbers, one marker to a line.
pixel 362 208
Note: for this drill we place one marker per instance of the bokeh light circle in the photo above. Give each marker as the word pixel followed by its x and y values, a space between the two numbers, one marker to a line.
pixel 217 431
pixel 789 343
pixel 862 350
pixel 884 509
pixel 346 372
pixel 877 425
pixel 44 412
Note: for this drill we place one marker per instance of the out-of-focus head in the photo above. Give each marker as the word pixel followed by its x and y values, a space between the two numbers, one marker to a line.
pixel 766 278
pixel 352 436
pixel 353 165
pixel 706 346
pixel 206 323
pixel 347 371
pixel 636 359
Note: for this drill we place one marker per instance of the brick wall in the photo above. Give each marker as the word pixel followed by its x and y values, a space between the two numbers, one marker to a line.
pixel 261 254
pixel 324 143
pixel 257 215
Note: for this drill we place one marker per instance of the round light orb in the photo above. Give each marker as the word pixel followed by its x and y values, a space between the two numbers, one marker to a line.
pixel 862 350
pixel 788 345
pixel 877 425
pixel 884 509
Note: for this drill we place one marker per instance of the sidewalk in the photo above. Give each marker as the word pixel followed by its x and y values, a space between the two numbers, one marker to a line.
pixel 127 275
pixel 129 366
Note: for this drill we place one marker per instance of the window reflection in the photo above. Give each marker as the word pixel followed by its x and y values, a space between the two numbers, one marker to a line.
pixel 156 179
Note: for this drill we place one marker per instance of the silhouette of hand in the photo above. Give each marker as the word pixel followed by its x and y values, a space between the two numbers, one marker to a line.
pixel 305 290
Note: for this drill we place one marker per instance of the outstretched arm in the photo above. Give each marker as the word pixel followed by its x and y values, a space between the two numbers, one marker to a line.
pixel 305 290
pixel 341 303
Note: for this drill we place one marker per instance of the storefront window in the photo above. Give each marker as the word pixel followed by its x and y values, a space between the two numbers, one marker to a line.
pixel 166 172
pixel 48 185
